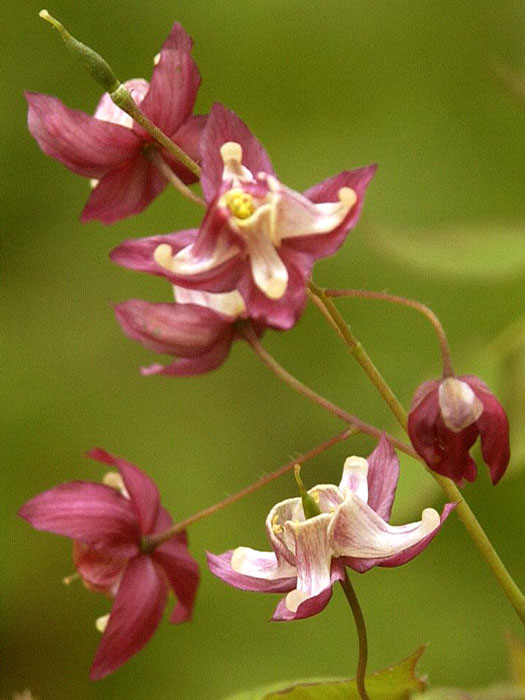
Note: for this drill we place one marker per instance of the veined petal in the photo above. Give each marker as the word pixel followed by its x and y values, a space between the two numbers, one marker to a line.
pixel 358 531
pixel 134 617
pixel 298 216
pixel 85 145
pixel 188 137
pixel 354 479
pixel 190 366
pixel 182 572
pixel 268 270
pixel 174 83
pixel 185 330
pixel 283 543
pixel 250 562
pixel 313 557
pixel 137 253
pixel 124 191
pixel 315 604
pixel 143 492
pixel 222 126
pixel 227 303
pixel 383 475
pixel 220 565
pixel 94 514
pixel 185 263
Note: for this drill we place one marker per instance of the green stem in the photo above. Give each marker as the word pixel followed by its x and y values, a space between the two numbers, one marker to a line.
pixel 152 541
pixel 411 303
pixel 164 169
pixel 451 491
pixel 361 635
pixel 251 337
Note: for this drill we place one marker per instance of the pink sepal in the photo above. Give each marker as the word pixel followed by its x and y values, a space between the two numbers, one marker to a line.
pixel 85 145
pixel 143 493
pixel 190 366
pixel 94 514
pixel 383 475
pixel 182 572
pixel 224 125
pixel 135 615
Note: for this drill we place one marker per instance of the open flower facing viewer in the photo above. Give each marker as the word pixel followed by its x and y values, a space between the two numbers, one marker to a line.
pixel 258 237
pixel 109 148
pixel 351 529
pixel 109 525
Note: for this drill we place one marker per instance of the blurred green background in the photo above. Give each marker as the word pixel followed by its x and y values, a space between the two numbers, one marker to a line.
pixel 327 85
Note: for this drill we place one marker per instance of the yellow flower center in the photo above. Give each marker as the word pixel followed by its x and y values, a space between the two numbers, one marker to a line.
pixel 239 203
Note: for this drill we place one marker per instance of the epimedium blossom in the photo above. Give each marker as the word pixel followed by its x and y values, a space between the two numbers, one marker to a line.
pixel 447 416
pixel 113 151
pixel 198 329
pixel 258 237
pixel 109 524
pixel 352 529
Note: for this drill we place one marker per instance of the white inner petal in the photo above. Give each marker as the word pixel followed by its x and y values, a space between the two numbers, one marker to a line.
pixel 184 262
pixel 459 405
pixel 354 479
pixel 228 303
pixel 250 562
pixel 268 270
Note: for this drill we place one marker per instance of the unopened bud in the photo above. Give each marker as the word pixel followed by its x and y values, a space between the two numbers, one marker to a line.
pixel 95 65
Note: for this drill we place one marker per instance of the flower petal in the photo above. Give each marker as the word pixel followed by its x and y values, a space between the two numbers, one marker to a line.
pixel 137 253
pixel 493 426
pixel 358 531
pixel 268 270
pixel 85 145
pixel 354 479
pixel 222 126
pixel 261 562
pixel 94 514
pixel 227 303
pixel 174 83
pixel 188 137
pixel 143 492
pixel 313 557
pixel 134 617
pixel 108 111
pixel 190 366
pixel 312 605
pixel 283 543
pixel 185 330
pixel 182 572
pixel 383 475
pixel 124 191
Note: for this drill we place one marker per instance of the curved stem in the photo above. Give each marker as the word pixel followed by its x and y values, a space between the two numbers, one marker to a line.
pixel 411 303
pixel 361 635
pixel 451 491
pixel 251 337
pixel 164 169
pixel 152 541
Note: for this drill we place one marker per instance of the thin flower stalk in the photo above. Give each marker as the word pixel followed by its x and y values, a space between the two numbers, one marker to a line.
pixel 451 491
pixel 351 597
pixel 158 161
pixel 154 540
pixel 411 303
pixel 251 337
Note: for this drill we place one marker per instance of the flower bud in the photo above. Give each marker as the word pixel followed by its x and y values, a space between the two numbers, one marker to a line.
pixel 445 420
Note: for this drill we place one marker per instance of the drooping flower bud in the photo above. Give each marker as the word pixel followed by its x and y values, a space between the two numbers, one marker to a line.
pixel 445 420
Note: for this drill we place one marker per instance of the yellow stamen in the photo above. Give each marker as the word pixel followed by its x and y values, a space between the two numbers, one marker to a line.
pixel 116 482
pixel 276 528
pixel 163 255
pixel 315 496
pixel 69 579
pixel 239 203
pixel 101 623
pixel 156 59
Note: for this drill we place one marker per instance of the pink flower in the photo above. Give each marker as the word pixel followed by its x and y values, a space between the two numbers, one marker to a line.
pixel 445 420
pixel 110 149
pixel 109 528
pixel 258 237
pixel 352 529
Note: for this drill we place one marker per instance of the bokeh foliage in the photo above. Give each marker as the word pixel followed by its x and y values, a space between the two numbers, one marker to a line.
pixel 326 85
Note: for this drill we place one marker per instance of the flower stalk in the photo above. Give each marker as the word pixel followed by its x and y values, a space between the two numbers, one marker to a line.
pixel 351 597
pixel 451 491
pixel 164 169
pixel 154 540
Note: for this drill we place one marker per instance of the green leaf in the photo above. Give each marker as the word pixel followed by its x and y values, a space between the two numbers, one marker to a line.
pixel 502 691
pixel 397 682
pixel 496 251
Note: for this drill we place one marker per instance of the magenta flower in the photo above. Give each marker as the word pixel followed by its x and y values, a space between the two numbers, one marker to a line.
pixel 109 529
pixel 445 420
pixel 352 530
pixel 257 236
pixel 199 330
pixel 110 149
